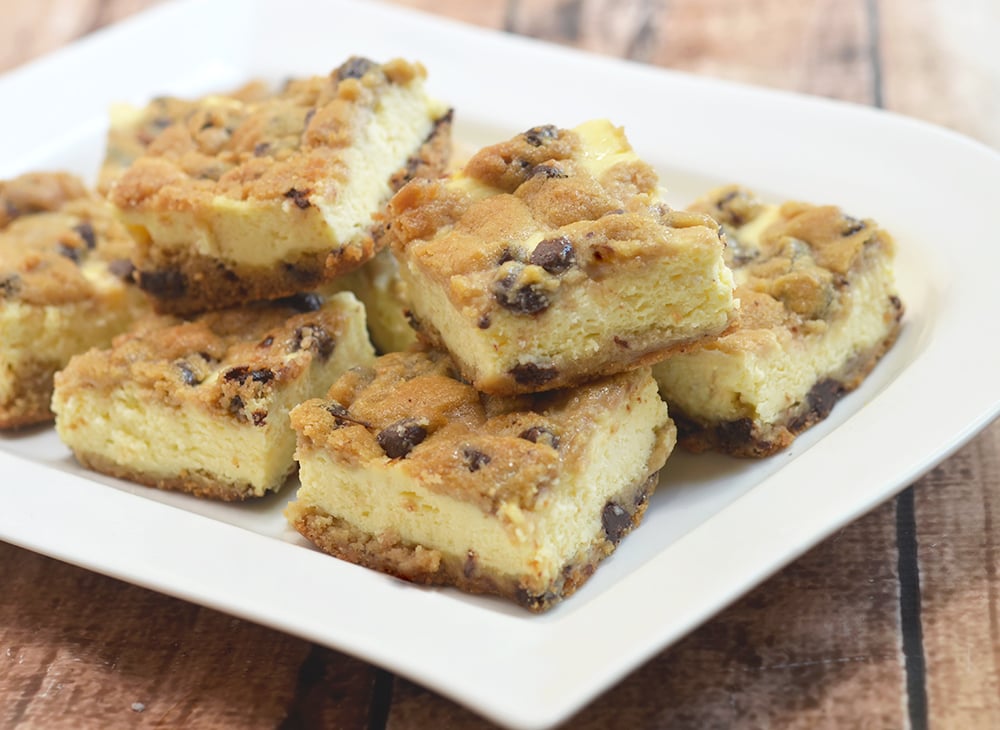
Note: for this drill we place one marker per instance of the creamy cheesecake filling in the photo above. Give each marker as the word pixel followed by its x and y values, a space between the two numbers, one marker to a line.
pixel 625 446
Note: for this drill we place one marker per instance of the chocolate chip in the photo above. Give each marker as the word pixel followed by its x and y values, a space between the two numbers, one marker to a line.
pixel 10 286
pixel 86 232
pixel 266 342
pixel 548 171
pixel 540 434
pixel 304 301
pixel 555 255
pixel 616 521
pixel 242 372
pixel 299 197
pixel 399 438
pixel 531 374
pixel 474 459
pixel 261 148
pixel 354 68
pixel 505 256
pixel 537 136
pixel 522 299
pixel 853 225
pixel 312 337
pixel 259 417
pixel 621 342
pixel 122 268
pixel 236 406
pixel 70 252
pixel 484 321
pixel 163 283
pixel 187 374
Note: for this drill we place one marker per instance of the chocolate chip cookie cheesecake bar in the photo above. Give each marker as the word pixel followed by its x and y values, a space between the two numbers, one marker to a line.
pixel 201 406
pixel 819 308
pixel 407 469
pixel 551 259
pixel 241 200
pixel 65 286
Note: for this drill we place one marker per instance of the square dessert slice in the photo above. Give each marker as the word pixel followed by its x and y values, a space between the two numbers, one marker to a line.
pixel 202 406
pixel 405 468
pixel 819 308
pixel 550 259
pixel 241 200
pixel 65 286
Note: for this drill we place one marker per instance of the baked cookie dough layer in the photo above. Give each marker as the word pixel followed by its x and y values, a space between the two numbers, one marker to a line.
pixel 550 259
pixel 237 200
pixel 65 286
pixel 202 406
pixel 819 308
pixel 407 469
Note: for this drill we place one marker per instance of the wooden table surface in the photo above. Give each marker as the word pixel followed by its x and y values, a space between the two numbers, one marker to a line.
pixel 893 622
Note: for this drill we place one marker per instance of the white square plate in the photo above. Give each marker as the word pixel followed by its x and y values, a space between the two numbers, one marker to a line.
pixel 716 527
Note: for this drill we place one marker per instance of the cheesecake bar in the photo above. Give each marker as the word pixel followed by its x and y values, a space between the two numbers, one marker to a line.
pixel 245 200
pixel 202 406
pixel 65 286
pixel 551 259
pixel 819 308
pixel 407 469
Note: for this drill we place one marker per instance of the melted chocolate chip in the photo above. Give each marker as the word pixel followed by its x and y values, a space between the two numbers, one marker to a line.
pixel 354 68
pixel 122 268
pixel 259 417
pixel 341 416
pixel 555 255
pixel 548 171
pixel 242 372
pixel 10 286
pixel 312 337
pixel 540 434
pixel 187 374
pixel 621 342
pixel 484 321
pixel 304 301
pixel 616 521
pixel 261 148
pixel 823 396
pixel 399 438
pixel 86 232
pixel 852 226
pixel 299 197
pixel 236 406
pixel 523 299
pixel 266 342
pixel 735 434
pixel 474 459
pixel 164 283
pixel 533 375
pixel 70 252
pixel 537 136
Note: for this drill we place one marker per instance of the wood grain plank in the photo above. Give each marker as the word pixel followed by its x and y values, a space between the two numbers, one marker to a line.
pixel 81 650
pixel 941 63
pixel 819 47
pixel 814 647
pixel 958 514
